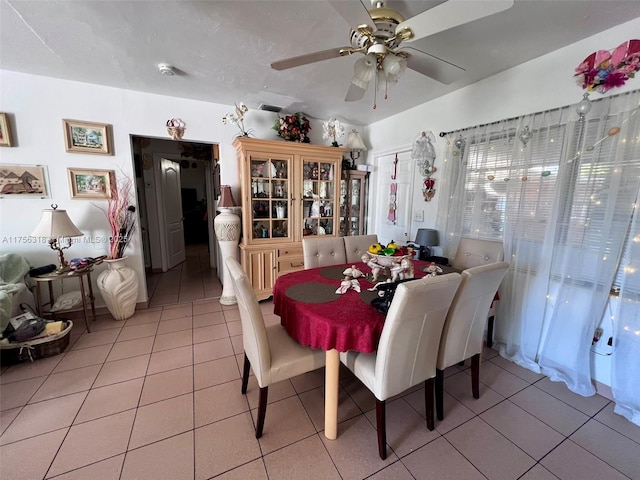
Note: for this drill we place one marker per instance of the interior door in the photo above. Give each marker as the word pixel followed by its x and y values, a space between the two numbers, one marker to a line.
pixel 394 224
pixel 172 212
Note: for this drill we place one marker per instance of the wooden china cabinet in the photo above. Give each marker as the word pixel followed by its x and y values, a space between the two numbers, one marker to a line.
pixel 353 191
pixel 289 191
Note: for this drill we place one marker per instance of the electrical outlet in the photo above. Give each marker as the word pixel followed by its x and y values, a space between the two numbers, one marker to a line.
pixel 418 215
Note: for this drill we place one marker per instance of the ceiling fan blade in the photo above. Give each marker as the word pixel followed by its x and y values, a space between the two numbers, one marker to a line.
pixel 451 14
pixel 308 58
pixel 433 67
pixel 354 93
pixel 355 13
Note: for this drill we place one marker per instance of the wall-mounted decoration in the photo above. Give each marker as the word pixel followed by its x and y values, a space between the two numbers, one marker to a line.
pixel 606 69
pixel 425 154
pixel 23 181
pixel 87 137
pixel 5 131
pixel 90 184
pixel 175 128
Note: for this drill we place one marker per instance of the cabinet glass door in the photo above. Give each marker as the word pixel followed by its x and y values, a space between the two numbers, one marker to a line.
pixel 318 202
pixel 355 185
pixel 270 195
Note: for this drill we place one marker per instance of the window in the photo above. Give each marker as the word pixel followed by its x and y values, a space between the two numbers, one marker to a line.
pixel 567 181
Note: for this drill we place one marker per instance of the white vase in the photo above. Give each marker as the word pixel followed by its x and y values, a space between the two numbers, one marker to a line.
pixel 118 285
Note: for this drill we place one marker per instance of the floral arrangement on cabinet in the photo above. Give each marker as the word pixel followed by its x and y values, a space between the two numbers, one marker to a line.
pixel 293 127
pixel 237 118
pixel 332 129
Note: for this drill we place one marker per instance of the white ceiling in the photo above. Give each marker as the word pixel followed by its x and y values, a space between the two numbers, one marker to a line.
pixel 223 49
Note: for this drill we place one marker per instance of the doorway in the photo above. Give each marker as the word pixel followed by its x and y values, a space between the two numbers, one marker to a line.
pixel 176 188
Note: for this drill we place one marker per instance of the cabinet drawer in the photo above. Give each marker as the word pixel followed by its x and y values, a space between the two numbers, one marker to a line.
pixel 290 264
pixel 290 251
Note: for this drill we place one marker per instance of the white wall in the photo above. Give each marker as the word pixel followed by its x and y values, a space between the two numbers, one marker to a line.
pixel 37 105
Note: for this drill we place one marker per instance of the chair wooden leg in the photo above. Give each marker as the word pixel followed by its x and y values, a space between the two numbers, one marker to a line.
pixel 428 402
pixel 475 375
pixel 439 394
pixel 381 424
pixel 262 410
pixel 490 331
pixel 245 375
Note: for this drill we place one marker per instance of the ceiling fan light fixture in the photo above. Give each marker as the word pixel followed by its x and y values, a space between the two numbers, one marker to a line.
pixel 393 65
pixel 363 70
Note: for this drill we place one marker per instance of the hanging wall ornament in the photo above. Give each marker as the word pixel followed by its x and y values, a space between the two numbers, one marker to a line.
pixel 428 191
pixel 424 152
pixel 460 143
pixel 525 136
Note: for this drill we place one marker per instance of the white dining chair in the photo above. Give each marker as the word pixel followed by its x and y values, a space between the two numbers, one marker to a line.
pixel 268 350
pixel 357 245
pixel 408 346
pixel 323 251
pixel 473 252
pixel 464 327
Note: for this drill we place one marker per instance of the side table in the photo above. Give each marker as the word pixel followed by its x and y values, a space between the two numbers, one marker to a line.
pixel 54 277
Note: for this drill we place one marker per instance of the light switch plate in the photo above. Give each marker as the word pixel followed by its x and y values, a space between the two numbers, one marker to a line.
pixel 418 215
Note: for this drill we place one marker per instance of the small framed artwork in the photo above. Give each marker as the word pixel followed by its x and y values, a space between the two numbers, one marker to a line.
pixel 86 137
pixel 90 183
pixel 5 131
pixel 23 181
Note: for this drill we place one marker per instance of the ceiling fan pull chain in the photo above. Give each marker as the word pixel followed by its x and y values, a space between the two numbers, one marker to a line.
pixel 375 91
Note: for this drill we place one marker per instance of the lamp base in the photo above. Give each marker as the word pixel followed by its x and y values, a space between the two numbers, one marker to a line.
pixel 227 230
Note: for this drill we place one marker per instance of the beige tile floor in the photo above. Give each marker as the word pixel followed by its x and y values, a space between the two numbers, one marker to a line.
pixel 158 397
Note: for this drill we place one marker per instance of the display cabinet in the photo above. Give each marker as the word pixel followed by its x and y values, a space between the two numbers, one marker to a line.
pixel 289 191
pixel 353 188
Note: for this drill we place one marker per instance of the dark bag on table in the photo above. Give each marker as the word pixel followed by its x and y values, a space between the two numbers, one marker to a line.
pixel 386 291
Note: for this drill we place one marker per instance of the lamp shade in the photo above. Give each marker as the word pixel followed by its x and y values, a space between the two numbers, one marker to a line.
pixel 393 66
pixel 355 141
pixel 363 71
pixel 226 197
pixel 55 223
pixel 427 237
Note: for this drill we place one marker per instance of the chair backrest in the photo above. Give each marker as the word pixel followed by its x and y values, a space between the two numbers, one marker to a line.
pixel 357 245
pixel 323 251
pixel 408 346
pixel 464 327
pixel 473 252
pixel 254 333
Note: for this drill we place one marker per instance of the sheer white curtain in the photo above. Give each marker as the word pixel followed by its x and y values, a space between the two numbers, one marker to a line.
pixel 560 193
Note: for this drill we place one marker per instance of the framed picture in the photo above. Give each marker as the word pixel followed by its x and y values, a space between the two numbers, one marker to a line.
pixel 23 181
pixel 5 131
pixel 85 137
pixel 90 183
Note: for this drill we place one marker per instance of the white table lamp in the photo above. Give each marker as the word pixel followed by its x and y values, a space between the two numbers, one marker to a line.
pixel 55 225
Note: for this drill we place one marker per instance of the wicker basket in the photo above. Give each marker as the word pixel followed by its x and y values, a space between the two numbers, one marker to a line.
pixel 34 349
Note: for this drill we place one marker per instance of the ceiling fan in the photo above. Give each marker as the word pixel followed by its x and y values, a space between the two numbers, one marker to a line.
pixel 381 35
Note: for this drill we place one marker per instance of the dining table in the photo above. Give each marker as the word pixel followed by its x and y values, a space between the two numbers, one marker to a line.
pixel 315 314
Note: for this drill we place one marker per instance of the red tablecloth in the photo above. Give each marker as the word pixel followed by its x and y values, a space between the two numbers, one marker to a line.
pixel 315 316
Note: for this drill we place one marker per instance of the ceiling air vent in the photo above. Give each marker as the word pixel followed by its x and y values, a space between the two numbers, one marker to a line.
pixel 269 108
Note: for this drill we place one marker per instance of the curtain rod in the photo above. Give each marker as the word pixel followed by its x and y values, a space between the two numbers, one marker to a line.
pixel 443 134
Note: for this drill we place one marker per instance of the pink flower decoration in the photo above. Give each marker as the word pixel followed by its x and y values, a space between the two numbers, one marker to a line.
pixel 604 70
